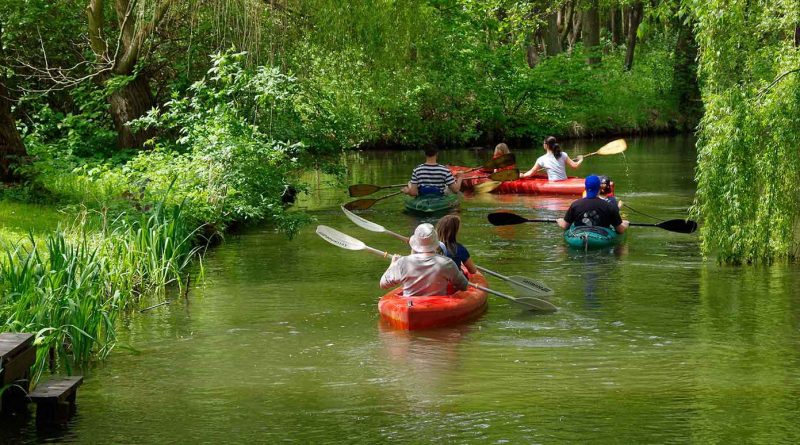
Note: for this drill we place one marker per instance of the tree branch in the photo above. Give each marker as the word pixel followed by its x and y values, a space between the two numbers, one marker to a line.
pixel 777 79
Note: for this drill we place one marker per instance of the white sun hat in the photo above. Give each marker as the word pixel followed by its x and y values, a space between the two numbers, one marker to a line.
pixel 424 239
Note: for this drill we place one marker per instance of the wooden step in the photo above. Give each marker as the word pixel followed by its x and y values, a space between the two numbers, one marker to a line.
pixel 17 355
pixel 55 399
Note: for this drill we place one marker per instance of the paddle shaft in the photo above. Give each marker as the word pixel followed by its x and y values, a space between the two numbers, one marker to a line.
pixel 369 202
pixel 477 286
pixel 544 289
pixel 630 224
pixel 361 222
pixel 482 269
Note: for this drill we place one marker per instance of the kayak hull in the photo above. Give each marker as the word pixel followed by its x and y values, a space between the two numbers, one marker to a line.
pixel 590 237
pixel 536 185
pixel 434 311
pixel 427 204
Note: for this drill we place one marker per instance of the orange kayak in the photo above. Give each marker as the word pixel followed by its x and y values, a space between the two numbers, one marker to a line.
pixel 435 311
pixel 536 185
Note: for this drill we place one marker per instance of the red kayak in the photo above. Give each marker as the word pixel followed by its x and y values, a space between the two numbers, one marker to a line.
pixel 536 185
pixel 434 311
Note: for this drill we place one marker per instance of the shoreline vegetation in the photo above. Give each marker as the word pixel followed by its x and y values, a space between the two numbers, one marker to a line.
pixel 154 147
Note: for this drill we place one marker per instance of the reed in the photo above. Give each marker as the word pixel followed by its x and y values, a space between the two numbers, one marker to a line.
pixel 70 287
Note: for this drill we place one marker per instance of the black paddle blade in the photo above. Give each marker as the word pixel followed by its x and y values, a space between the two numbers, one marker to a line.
pixel 360 204
pixel 505 175
pixel 362 190
pixel 505 219
pixel 501 161
pixel 678 225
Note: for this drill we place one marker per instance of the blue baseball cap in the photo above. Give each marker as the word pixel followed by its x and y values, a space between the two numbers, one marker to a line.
pixel 592 185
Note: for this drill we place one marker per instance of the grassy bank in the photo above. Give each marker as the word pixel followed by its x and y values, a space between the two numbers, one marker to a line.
pixel 69 284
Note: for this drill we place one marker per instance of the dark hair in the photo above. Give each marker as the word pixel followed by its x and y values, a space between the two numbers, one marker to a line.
pixel 447 229
pixel 553 146
pixel 605 184
pixel 431 150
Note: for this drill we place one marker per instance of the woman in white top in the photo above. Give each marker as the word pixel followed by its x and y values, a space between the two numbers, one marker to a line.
pixel 554 162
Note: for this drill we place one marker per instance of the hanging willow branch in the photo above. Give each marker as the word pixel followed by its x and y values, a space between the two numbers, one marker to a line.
pixel 777 79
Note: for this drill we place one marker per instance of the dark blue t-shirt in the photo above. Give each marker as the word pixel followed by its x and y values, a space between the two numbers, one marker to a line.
pixel 461 254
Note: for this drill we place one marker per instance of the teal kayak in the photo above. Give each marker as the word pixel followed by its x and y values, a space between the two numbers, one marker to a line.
pixel 432 203
pixel 590 237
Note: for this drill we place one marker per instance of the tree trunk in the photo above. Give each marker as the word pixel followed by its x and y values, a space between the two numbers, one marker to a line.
pixel 135 98
pixel 635 17
pixel 564 23
pixel 797 36
pixel 552 40
pixel 616 26
pixel 11 146
pixel 625 16
pixel 128 103
pixel 591 33
pixel 575 32
pixel 684 82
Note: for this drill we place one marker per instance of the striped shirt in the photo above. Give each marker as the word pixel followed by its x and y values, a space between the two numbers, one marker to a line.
pixel 438 176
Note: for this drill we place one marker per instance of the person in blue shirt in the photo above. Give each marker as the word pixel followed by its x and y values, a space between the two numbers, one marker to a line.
pixel 447 229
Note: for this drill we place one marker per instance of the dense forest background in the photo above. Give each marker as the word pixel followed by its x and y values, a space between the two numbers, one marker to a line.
pixel 225 102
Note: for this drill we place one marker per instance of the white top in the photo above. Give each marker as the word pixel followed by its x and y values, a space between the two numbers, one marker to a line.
pixel 423 275
pixel 556 168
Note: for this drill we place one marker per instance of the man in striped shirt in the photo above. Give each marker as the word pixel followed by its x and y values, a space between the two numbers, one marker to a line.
pixel 432 177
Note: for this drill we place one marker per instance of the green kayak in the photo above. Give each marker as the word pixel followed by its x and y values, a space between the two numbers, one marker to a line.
pixel 590 237
pixel 432 203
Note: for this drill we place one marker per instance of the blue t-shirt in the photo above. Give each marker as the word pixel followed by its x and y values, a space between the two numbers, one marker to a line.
pixel 461 254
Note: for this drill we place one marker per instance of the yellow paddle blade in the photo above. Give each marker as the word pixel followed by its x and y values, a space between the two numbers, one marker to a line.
pixel 505 175
pixel 487 187
pixel 613 147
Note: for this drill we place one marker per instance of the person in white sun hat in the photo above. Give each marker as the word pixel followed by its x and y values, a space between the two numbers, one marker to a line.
pixel 423 273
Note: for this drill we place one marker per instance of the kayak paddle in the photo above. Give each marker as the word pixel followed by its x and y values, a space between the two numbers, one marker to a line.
pixel 612 148
pixel 523 285
pixel 672 225
pixel 358 190
pixel 364 204
pixel 498 162
pixel 344 241
pixel 496 179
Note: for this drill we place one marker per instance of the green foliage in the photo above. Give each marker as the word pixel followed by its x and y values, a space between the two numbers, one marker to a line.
pixel 748 165
pixel 70 287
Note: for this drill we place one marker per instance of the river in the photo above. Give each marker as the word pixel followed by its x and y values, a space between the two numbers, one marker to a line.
pixel 282 342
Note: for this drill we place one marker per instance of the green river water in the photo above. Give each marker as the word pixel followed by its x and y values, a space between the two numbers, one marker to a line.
pixel 282 341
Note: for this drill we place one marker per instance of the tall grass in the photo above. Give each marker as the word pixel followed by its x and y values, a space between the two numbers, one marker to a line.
pixel 70 287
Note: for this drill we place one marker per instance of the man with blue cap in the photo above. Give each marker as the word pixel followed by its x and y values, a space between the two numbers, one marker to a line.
pixel 593 210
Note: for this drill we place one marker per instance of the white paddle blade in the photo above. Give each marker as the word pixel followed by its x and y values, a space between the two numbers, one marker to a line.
pixel 361 222
pixel 537 304
pixel 613 147
pixel 528 286
pixel 339 239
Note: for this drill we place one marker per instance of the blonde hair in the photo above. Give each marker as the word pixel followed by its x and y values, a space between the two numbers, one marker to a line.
pixel 501 149
pixel 447 229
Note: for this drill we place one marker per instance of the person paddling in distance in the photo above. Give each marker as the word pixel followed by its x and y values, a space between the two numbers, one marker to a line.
pixel 607 191
pixel 500 149
pixel 447 230
pixel 432 177
pixel 423 272
pixel 593 210
pixel 554 161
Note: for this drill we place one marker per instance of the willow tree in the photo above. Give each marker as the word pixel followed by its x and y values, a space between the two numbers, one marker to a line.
pixel 748 169
pixel 130 96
